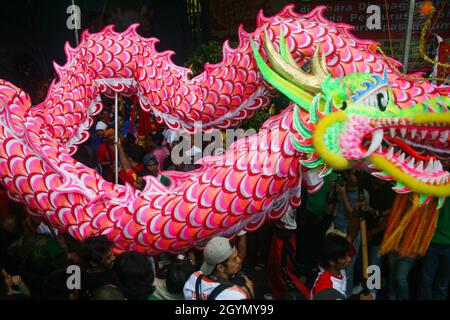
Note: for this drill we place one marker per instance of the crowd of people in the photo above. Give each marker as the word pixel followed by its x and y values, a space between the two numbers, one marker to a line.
pixel 313 252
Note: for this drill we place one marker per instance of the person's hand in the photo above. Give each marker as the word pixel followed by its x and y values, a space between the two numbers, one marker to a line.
pixel 139 183
pixel 364 204
pixel 368 296
pixel 340 189
pixel 8 279
pixel 249 287
pixel 16 280
pixel 191 257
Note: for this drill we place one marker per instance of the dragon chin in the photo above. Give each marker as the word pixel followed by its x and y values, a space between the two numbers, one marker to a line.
pixel 409 181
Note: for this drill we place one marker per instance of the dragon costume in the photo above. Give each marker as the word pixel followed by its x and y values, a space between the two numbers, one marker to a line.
pixel 349 107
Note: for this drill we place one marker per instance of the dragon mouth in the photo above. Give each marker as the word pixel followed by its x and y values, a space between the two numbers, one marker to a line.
pixel 410 152
pixel 407 150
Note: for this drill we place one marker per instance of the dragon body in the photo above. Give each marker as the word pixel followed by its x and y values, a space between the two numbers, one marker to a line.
pixel 334 113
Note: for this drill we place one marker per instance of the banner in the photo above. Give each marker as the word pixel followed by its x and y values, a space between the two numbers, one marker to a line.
pixel 224 17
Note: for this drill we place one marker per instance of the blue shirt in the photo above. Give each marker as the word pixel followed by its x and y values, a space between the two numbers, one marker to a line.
pixel 341 219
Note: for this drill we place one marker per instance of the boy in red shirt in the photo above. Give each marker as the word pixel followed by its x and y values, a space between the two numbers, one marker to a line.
pixel 331 283
pixel 336 257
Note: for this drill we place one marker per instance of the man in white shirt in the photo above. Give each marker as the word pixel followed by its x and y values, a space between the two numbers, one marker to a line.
pixel 215 279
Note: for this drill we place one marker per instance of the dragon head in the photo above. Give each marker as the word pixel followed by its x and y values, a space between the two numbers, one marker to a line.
pixel 341 121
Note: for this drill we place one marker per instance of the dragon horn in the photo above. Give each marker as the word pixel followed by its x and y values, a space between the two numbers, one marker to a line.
pixel 318 64
pixel 301 97
pixel 284 50
pixel 285 66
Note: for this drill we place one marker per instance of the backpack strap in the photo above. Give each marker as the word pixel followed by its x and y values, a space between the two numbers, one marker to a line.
pixel 218 290
pixel 198 284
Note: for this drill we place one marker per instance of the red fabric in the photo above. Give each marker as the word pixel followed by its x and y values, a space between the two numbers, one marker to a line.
pixel 147 124
pixel 275 274
pixel 325 281
pixel 139 168
pixel 322 282
pixel 128 177
pixel 106 154
pixel 352 251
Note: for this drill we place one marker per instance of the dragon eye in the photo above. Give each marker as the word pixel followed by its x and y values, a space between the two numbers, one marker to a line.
pixel 382 101
pixel 344 105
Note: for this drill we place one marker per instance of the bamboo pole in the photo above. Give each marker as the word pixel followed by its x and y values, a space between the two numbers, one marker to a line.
pixel 365 259
pixel 116 139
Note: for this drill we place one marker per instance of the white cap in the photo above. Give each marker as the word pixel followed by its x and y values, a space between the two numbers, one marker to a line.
pixel 100 126
pixel 217 250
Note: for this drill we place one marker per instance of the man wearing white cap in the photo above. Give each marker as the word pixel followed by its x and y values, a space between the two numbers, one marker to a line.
pixel 98 135
pixel 100 126
pixel 216 278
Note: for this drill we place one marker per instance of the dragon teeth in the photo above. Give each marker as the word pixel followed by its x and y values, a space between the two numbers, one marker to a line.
pixel 430 167
pixel 434 135
pixel 420 166
pixel 411 163
pixel 403 132
pixel 392 132
pixel 390 152
pixel 413 133
pixel 375 144
pixel 401 158
pixel 438 166
pixel 444 136
pixel 423 134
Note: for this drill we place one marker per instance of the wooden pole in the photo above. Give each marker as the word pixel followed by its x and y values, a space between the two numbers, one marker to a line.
pixel 365 259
